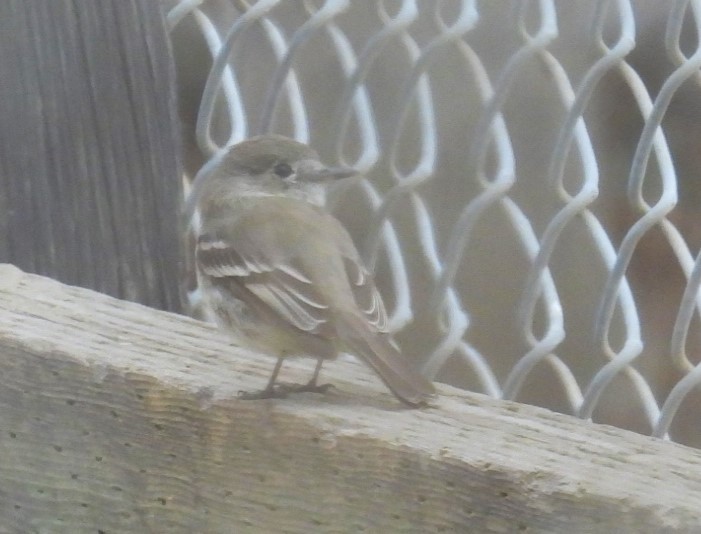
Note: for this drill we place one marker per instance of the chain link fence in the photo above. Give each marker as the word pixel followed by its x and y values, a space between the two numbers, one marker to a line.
pixel 531 207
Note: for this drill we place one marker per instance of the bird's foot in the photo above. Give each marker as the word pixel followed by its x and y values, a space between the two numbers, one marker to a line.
pixel 311 387
pixel 275 392
pixel 281 391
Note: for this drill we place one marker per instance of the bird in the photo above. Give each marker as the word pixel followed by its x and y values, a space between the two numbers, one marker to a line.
pixel 281 274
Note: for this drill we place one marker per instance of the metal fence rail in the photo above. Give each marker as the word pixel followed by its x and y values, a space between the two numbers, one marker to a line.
pixel 531 207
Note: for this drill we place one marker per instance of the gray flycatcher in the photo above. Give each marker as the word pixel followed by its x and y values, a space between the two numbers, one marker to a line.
pixel 282 274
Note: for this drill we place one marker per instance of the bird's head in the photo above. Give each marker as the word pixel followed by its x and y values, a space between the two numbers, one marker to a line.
pixel 277 165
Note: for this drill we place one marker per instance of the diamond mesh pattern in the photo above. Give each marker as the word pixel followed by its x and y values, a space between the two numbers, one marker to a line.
pixel 531 206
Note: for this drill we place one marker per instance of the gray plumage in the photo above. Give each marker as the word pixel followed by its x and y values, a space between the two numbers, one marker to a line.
pixel 283 273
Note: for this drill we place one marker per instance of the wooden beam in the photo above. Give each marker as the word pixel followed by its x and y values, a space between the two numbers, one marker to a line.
pixel 115 417
pixel 90 172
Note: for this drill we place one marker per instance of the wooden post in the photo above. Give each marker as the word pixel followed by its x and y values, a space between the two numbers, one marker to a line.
pixel 115 417
pixel 90 177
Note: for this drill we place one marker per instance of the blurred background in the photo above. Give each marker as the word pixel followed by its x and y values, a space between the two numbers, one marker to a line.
pixel 531 201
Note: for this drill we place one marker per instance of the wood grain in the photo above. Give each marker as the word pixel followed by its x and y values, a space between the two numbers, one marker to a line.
pixel 90 174
pixel 119 418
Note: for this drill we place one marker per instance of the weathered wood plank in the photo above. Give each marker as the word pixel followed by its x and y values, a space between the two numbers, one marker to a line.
pixel 118 417
pixel 90 175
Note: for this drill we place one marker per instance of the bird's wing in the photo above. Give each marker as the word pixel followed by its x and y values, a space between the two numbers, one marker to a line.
pixel 279 285
pixel 296 288
pixel 365 293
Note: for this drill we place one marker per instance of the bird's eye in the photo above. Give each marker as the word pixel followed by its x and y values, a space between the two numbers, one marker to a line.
pixel 283 170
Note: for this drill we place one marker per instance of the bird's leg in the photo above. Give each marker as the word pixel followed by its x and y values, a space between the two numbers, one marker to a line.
pixel 312 386
pixel 279 391
pixel 270 391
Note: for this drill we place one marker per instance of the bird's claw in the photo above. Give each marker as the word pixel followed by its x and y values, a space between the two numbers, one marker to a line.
pixel 281 391
pixel 276 392
pixel 311 388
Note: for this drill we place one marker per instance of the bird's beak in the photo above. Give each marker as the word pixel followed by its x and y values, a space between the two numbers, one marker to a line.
pixel 327 174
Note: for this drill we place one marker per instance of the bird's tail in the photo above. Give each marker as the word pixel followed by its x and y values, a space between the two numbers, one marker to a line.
pixel 376 350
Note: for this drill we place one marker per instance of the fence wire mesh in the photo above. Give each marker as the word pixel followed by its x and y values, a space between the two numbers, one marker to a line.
pixel 531 201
